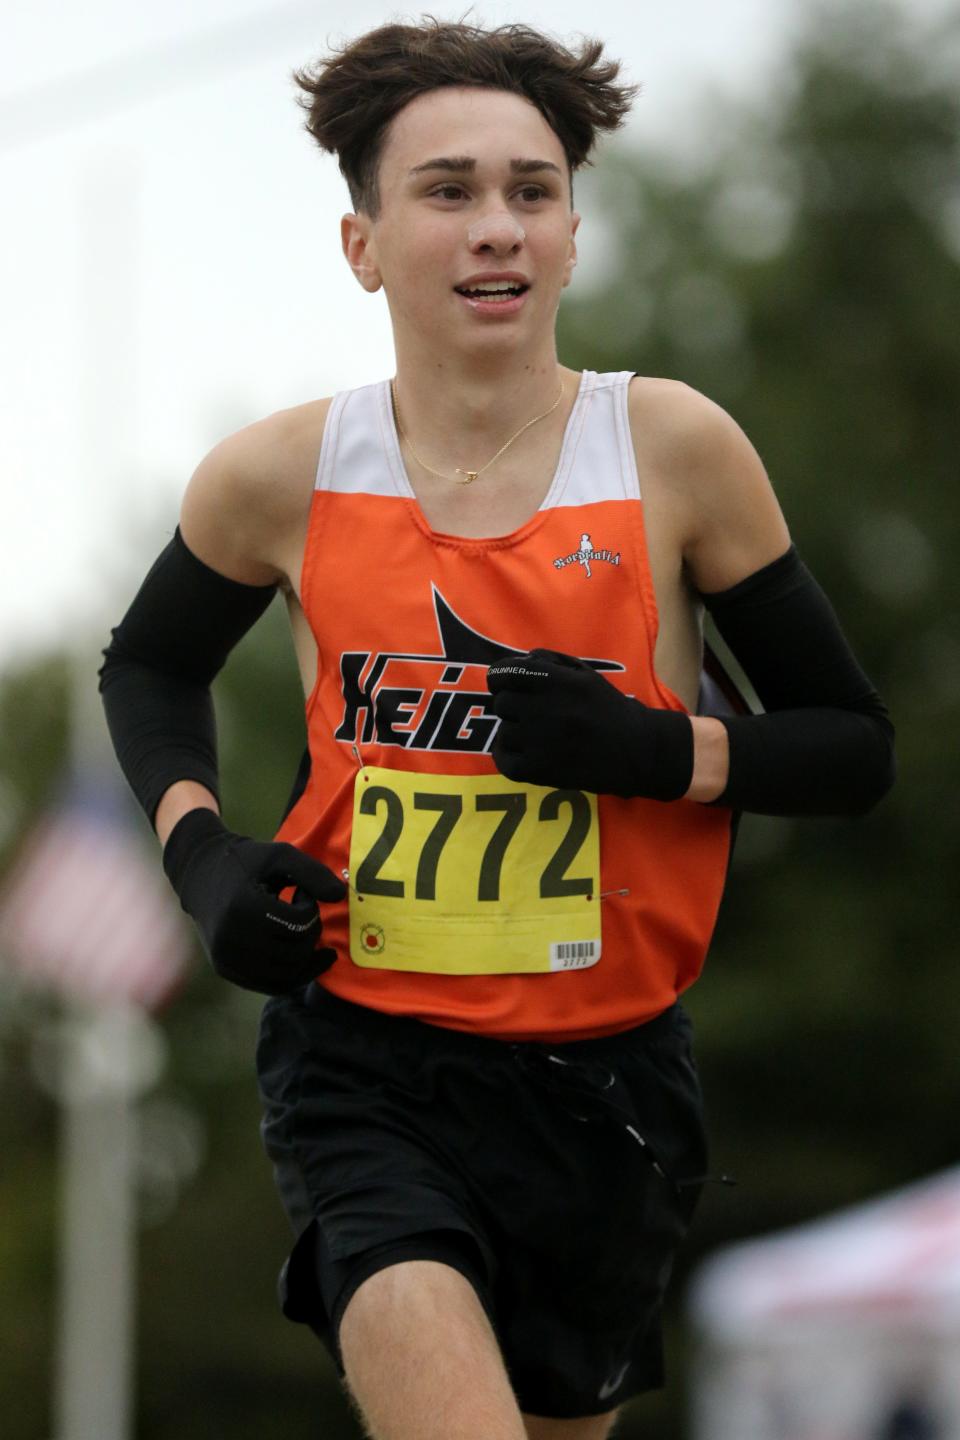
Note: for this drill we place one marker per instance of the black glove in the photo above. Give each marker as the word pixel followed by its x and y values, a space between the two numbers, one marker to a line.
pixel 231 887
pixel 562 724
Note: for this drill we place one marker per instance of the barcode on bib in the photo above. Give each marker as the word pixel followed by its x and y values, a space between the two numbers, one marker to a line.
pixel 574 954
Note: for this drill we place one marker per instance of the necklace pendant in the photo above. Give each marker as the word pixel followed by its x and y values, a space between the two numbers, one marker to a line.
pixel 470 476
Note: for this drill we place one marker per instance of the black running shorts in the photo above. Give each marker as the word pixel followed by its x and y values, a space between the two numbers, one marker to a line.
pixel 558 1178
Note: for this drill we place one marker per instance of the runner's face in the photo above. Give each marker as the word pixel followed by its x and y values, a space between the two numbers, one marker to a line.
pixel 441 226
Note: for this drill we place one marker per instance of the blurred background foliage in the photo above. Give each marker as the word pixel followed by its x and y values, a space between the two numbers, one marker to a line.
pixel 805 273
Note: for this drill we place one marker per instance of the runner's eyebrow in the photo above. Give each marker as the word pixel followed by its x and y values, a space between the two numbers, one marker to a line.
pixel 465 164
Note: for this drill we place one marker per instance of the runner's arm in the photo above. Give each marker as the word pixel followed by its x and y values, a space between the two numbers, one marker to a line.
pixel 155 683
pixel 204 591
pixel 825 743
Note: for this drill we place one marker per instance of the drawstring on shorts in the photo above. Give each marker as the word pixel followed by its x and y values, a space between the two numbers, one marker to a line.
pixel 560 1076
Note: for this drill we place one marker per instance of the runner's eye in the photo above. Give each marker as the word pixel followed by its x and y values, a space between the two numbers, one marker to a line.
pixel 529 193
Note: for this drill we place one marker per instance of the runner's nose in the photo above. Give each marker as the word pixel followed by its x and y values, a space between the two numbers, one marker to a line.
pixel 500 231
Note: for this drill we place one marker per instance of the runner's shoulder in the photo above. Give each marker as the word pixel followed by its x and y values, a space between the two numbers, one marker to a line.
pixel 264 462
pixel 252 491
pixel 697 463
pixel 682 431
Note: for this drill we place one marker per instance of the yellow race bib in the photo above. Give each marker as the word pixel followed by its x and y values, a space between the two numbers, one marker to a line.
pixel 472 875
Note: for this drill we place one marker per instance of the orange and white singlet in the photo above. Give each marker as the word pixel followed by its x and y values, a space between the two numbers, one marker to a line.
pixel 477 903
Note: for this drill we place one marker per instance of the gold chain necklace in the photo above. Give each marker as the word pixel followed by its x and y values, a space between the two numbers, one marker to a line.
pixel 469 475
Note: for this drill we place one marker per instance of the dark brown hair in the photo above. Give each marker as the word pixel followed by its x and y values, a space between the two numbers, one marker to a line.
pixel 352 94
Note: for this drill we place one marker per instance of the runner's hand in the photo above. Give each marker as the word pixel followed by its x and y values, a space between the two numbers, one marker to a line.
pixel 563 724
pixel 231 887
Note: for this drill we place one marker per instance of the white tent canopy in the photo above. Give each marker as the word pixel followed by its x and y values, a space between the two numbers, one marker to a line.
pixel 821 1331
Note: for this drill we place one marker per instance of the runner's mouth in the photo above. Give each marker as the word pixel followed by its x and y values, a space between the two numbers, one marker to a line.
pixel 494 292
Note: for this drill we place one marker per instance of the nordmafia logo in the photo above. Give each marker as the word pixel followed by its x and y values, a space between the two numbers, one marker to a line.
pixel 585 554
pixel 435 701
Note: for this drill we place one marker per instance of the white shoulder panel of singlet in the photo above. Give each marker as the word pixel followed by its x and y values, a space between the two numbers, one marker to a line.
pixel 359 455
pixel 601 464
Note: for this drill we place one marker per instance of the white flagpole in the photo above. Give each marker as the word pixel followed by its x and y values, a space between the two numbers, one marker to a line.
pixel 96 1302
pixel 97 1313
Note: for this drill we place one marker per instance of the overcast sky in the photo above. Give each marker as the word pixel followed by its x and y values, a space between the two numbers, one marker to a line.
pixel 170 263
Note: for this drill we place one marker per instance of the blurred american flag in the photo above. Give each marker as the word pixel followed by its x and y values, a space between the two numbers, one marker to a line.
pixel 85 910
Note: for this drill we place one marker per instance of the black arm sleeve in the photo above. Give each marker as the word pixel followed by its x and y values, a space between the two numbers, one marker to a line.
pixel 825 745
pixel 156 674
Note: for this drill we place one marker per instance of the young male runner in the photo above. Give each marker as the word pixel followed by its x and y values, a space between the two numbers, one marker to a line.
pixel 479 1094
